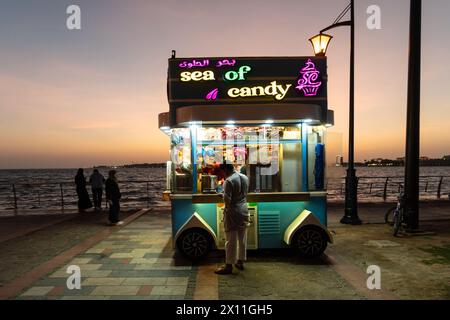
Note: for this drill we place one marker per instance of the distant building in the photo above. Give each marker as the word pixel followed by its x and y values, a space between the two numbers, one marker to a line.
pixel 400 162
pixel 380 162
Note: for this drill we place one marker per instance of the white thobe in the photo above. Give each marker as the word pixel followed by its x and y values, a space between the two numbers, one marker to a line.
pixel 236 217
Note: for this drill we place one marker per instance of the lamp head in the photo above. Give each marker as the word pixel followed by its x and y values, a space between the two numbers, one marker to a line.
pixel 320 44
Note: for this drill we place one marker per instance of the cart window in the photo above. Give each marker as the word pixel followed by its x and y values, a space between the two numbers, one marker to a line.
pixel 257 152
pixel 291 160
pixel 181 160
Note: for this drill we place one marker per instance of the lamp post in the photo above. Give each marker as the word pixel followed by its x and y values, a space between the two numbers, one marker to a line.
pixel 320 44
pixel 413 118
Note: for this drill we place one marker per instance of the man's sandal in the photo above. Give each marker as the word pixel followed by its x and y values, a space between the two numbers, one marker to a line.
pixel 240 265
pixel 223 270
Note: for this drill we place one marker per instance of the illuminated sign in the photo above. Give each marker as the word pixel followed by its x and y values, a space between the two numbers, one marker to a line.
pixel 308 82
pixel 233 81
pixel 194 64
pixel 197 76
pixel 212 95
pixel 226 62
pixel 274 89
pixel 237 75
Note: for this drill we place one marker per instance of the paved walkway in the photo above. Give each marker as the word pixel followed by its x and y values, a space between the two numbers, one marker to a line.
pixel 40 239
pixel 137 262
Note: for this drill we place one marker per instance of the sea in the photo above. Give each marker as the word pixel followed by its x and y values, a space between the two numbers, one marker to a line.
pixel 55 188
pixel 143 187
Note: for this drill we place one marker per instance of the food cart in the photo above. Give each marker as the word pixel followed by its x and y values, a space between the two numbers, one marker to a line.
pixel 266 115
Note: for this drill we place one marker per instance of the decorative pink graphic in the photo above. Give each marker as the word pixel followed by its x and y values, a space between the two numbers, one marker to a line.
pixel 308 82
pixel 212 95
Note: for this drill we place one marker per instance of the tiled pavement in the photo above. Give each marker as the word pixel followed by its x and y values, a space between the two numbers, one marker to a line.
pixel 136 262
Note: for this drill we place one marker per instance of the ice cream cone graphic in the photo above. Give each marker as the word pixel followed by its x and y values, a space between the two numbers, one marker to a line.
pixel 308 81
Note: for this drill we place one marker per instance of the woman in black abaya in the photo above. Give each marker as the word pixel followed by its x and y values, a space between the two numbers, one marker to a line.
pixel 84 202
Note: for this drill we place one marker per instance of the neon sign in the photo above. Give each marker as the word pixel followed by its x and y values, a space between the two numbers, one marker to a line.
pixel 226 62
pixel 273 89
pixel 237 75
pixel 209 75
pixel 194 64
pixel 213 94
pixel 251 79
pixel 197 76
pixel 308 82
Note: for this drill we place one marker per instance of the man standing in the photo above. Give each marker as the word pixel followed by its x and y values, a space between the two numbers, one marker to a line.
pixel 97 180
pixel 113 196
pixel 236 219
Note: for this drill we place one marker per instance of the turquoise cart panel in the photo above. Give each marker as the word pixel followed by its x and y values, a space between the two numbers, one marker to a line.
pixel 273 217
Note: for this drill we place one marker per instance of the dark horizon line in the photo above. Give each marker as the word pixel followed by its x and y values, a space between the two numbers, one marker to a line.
pixel 159 164
pixel 85 168
pixel 359 164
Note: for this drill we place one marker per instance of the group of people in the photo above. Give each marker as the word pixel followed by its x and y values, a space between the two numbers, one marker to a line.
pixel 97 182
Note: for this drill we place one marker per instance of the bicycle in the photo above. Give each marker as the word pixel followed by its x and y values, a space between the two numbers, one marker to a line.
pixel 397 213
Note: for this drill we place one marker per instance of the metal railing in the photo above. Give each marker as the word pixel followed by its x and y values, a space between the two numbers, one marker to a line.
pixel 138 192
pixel 389 187
pixel 63 195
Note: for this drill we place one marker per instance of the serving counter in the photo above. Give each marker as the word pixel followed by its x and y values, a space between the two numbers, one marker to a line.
pixel 251 197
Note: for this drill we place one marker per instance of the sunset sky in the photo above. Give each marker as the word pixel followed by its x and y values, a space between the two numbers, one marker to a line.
pixel 90 97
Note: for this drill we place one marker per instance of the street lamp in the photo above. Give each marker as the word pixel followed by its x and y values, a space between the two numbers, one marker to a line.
pixel 320 44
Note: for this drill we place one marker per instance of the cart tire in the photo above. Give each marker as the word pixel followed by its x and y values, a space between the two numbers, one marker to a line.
pixel 310 241
pixel 195 243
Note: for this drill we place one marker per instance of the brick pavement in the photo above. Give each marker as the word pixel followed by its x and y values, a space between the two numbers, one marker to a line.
pixel 138 262
pixel 135 262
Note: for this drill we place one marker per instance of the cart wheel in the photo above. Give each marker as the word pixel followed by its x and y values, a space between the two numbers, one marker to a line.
pixel 194 243
pixel 310 241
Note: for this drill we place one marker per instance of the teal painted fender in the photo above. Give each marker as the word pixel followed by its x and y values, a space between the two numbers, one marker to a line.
pixel 195 221
pixel 306 218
